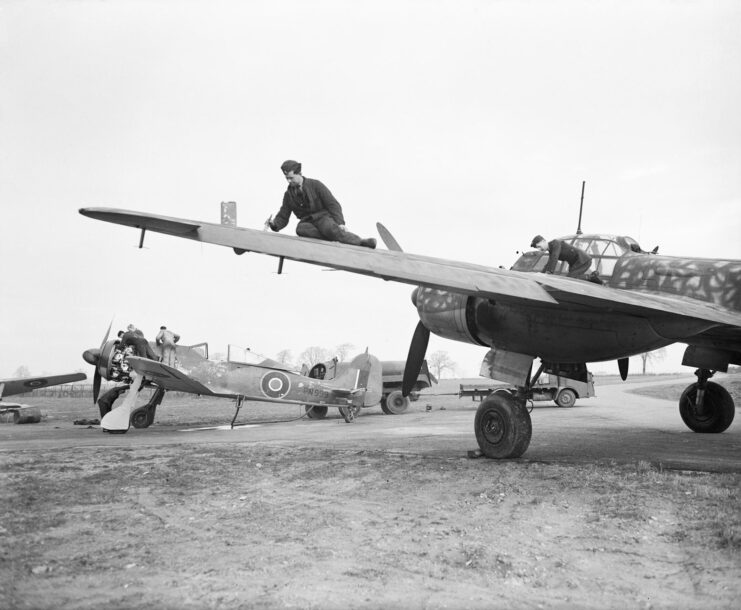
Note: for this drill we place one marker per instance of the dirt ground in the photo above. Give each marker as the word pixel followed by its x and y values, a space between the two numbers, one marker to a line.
pixel 240 525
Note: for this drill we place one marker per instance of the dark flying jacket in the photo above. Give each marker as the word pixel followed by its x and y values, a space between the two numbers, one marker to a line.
pixel 561 251
pixel 316 199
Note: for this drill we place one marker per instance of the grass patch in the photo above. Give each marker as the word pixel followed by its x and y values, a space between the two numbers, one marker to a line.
pixel 674 391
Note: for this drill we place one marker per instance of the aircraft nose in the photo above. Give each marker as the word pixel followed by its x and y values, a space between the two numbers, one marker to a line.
pixel 415 292
pixel 91 356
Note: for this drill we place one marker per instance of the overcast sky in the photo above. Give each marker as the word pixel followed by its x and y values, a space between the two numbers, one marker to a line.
pixel 464 126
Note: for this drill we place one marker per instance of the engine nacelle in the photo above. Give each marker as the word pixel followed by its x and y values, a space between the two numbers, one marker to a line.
pixel 554 334
pixel 448 314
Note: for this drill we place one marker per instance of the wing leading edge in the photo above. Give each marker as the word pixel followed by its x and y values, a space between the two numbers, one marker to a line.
pixel 396 266
pixel 464 278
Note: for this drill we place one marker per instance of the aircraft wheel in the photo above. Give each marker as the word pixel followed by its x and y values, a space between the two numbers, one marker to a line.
pixel 503 426
pixel 349 413
pixel 384 408
pixel 316 412
pixel 566 398
pixel 718 408
pixel 396 403
pixel 140 418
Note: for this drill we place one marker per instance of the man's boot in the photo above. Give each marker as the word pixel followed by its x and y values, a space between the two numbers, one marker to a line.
pixel 368 243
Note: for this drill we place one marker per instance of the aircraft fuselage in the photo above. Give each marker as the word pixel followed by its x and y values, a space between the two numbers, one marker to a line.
pixel 570 333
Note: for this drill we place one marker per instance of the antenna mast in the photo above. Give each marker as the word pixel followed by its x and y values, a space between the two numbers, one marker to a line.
pixel 581 206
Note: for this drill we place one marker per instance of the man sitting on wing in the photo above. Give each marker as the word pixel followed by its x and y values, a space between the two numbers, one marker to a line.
pixel 319 213
pixel 559 250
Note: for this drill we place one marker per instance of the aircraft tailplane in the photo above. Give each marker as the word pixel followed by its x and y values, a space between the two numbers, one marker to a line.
pixel 363 372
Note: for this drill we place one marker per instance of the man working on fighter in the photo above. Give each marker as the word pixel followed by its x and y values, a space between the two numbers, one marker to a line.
pixel 319 213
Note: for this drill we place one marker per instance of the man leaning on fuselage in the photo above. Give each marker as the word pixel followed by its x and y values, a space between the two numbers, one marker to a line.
pixel 559 250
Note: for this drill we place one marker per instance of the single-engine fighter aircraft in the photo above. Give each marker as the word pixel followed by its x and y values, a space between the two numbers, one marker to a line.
pixel 646 302
pixel 111 362
pixel 24 414
pixel 244 375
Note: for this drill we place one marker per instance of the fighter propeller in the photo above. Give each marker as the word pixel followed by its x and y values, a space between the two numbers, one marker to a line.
pixel 92 356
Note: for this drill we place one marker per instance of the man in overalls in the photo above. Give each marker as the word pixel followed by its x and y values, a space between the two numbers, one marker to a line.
pixel 558 250
pixel 166 340
pixel 319 213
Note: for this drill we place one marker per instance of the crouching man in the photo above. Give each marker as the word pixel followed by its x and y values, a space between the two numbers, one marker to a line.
pixel 319 213
pixel 558 250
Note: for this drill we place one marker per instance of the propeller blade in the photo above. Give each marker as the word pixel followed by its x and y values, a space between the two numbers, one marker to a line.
pixel 96 385
pixel 416 356
pixel 623 367
pixel 387 238
pixel 108 332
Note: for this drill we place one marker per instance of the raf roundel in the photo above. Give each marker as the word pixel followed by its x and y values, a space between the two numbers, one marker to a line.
pixel 275 384
pixel 35 383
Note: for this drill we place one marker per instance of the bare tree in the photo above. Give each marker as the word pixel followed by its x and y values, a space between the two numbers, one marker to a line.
pixel 312 355
pixel 343 350
pixel 285 357
pixel 439 362
pixel 22 371
pixel 653 356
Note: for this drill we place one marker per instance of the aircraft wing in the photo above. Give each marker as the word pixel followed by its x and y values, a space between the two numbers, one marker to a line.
pixel 8 387
pixel 177 381
pixel 170 378
pixel 465 278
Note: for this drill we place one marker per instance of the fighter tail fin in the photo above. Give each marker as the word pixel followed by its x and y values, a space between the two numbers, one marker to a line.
pixel 363 372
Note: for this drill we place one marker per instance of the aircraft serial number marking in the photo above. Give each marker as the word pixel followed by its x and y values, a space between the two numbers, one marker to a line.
pixel 318 392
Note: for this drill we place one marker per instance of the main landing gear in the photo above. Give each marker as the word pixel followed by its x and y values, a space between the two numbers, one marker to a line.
pixel 706 406
pixel 502 424
pixel 143 417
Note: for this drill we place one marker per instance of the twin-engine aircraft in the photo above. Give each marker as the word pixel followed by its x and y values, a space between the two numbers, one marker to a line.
pixel 243 376
pixel 646 302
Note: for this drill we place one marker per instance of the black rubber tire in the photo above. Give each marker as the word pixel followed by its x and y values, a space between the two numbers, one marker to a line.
pixel 396 403
pixel 316 412
pixel 384 408
pixel 503 426
pixel 719 409
pixel 566 398
pixel 140 418
pixel 349 413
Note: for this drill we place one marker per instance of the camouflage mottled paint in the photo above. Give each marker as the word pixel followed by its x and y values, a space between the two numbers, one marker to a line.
pixel 447 314
pixel 712 281
pixel 552 333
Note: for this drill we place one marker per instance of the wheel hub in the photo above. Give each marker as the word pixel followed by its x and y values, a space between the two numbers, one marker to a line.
pixel 494 428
